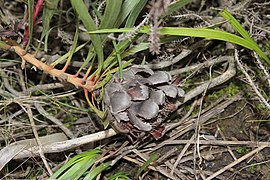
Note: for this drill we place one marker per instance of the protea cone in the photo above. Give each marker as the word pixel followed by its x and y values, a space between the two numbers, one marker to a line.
pixel 141 101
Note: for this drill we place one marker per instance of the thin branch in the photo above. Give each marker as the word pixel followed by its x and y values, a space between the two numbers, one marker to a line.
pixel 66 145
pixel 78 82
pixel 251 83
pixel 40 148
pixel 236 162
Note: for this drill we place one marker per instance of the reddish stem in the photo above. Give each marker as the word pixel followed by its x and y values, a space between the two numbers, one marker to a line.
pixel 37 9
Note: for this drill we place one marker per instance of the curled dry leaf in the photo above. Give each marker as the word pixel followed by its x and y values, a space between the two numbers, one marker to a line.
pixel 138 104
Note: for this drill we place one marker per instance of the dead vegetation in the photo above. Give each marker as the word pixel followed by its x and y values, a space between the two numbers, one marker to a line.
pixel 219 130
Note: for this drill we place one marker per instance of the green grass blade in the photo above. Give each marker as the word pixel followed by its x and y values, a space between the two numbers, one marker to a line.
pixel 48 11
pixel 74 160
pixel 79 168
pixel 90 25
pixel 235 24
pixel 215 34
pixel 127 7
pixel 97 171
pixel 3 17
pixel 135 12
pixel 207 33
pixel 111 14
pixel 176 6
pixel 119 176
pixel 199 32
pixel 74 44
pixel 90 57
pixel 146 164
pixel 69 174
pixel 65 56
pixel 4 45
pixel 85 167
pixel 119 60
pixel 30 22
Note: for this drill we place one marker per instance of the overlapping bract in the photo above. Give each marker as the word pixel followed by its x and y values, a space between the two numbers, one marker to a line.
pixel 139 103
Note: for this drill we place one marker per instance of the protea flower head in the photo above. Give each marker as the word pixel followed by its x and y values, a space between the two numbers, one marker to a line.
pixel 140 102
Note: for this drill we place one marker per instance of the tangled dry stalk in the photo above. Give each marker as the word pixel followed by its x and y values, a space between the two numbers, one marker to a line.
pixel 200 148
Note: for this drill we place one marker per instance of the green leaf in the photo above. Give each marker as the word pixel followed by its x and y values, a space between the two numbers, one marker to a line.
pixel 92 174
pixel 62 58
pixel 111 14
pixel 4 45
pixel 74 44
pixel 198 32
pixel 146 164
pixel 79 168
pixel 126 9
pixel 135 12
pixel 48 11
pixel 119 60
pixel 176 6
pixel 119 176
pixel 30 21
pixel 237 26
pixel 88 155
pixel 90 25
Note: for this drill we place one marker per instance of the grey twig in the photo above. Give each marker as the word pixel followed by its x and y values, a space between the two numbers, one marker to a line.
pixel 42 111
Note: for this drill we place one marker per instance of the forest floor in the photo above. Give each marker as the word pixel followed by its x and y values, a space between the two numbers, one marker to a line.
pixel 221 133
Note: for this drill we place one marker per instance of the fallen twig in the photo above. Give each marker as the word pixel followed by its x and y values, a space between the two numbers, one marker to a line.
pixel 66 145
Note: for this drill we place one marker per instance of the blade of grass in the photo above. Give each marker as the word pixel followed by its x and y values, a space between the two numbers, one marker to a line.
pixel 198 32
pixel 176 6
pixel 69 174
pixel 4 45
pixel 235 24
pixel 90 56
pixel 146 164
pixel 111 14
pixel 48 11
pixel 119 176
pixel 74 160
pixel 135 12
pixel 3 17
pixel 65 56
pixel 79 168
pixel 74 44
pixel 119 60
pixel 215 34
pixel 133 50
pixel 97 171
pixel 84 167
pixel 90 25
pixel 94 108
pixel 127 7
pixel 30 22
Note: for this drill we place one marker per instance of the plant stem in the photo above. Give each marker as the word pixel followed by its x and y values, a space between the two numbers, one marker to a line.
pixel 78 82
